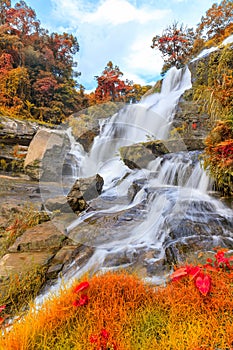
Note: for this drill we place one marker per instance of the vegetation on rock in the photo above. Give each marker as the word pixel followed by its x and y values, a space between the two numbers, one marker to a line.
pixel 213 89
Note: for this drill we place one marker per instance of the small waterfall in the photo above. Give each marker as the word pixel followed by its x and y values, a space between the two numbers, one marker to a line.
pixel 135 123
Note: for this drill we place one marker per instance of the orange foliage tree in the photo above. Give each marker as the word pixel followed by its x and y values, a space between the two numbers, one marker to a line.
pixel 218 21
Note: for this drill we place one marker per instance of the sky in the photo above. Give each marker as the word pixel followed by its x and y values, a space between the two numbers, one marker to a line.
pixel 120 31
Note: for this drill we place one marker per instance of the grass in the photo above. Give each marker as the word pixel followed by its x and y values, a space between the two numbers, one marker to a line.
pixel 124 313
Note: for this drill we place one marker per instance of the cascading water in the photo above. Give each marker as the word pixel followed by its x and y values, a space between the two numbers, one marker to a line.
pixel 144 214
pixel 135 123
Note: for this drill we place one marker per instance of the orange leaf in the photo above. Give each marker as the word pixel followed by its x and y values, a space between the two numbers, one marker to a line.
pixel 181 272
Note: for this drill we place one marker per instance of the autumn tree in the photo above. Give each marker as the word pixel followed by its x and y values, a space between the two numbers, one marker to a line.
pixel 137 92
pixel 4 7
pixel 110 85
pixel 218 21
pixel 175 44
pixel 22 20
pixel 37 76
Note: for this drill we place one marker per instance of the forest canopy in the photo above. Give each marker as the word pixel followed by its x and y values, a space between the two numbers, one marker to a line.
pixel 37 76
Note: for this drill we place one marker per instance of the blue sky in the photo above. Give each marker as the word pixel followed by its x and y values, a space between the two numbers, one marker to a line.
pixel 117 30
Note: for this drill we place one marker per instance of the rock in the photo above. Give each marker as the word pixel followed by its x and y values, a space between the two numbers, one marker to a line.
pixel 189 119
pixel 58 203
pixel 73 256
pixel 83 190
pixel 105 228
pixel 160 147
pixel 15 136
pixel 136 156
pixel 139 155
pixel 23 262
pixel 67 259
pixel 43 237
pixel 85 127
pixel 86 139
pixel 46 154
pixel 13 131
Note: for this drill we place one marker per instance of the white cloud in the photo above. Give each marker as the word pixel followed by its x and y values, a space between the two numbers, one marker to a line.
pixel 120 31
pixel 121 11
pixel 114 30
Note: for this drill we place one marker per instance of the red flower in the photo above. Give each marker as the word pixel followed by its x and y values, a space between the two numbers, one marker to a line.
pixel 81 287
pixel 104 334
pixel 82 301
pixel 203 283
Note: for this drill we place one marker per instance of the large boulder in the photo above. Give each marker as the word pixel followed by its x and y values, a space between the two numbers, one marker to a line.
pixel 84 190
pixel 136 156
pixel 46 154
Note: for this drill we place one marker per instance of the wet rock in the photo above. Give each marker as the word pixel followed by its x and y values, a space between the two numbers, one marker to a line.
pixel 189 249
pixel 76 258
pixel 105 228
pixel 46 154
pixel 43 237
pixel 84 190
pixel 136 156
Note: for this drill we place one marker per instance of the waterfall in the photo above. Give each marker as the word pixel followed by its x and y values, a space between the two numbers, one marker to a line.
pixel 144 215
pixel 151 118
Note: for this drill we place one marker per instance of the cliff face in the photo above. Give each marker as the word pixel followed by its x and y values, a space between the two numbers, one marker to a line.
pixel 15 137
pixel 190 120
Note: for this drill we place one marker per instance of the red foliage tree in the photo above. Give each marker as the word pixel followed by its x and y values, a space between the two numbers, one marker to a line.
pixel 110 86
pixel 22 20
pixel 175 44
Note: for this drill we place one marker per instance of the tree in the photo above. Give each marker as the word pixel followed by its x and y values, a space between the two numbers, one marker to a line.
pixel 36 68
pixel 110 86
pixel 137 92
pixel 64 47
pixel 22 20
pixel 4 7
pixel 218 21
pixel 175 44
